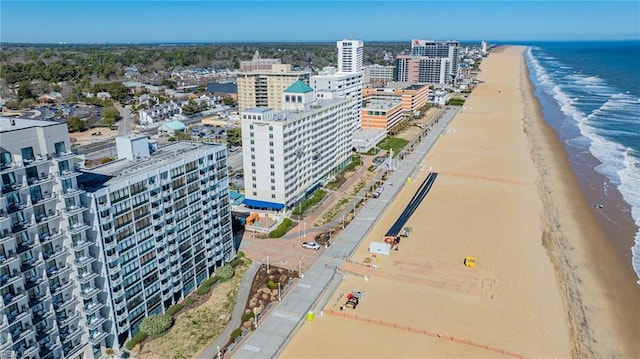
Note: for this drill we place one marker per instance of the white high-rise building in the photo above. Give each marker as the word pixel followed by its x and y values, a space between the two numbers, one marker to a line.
pixel 329 84
pixel 350 55
pixel 41 223
pixel 289 153
pixel 161 225
pixel 85 256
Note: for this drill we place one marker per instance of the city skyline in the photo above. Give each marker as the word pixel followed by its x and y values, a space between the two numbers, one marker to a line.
pixel 297 21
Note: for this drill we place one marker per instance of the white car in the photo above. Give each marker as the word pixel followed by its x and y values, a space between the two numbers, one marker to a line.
pixel 311 245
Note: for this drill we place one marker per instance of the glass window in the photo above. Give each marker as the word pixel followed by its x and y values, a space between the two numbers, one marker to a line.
pixel 27 153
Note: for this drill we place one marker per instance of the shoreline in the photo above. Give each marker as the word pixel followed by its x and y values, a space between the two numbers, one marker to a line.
pixel 616 294
pixel 615 218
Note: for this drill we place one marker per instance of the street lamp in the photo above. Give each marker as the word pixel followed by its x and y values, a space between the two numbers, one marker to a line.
pixel 279 298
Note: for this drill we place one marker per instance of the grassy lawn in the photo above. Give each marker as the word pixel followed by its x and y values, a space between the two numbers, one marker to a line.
pixel 196 328
pixel 394 143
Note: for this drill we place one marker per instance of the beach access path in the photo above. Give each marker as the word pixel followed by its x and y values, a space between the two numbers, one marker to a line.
pixel 321 279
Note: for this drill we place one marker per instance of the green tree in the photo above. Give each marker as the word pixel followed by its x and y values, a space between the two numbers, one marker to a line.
pixel 110 115
pixel 225 273
pixel 229 101
pixel 234 136
pixel 24 92
pixel 170 84
pixel 75 124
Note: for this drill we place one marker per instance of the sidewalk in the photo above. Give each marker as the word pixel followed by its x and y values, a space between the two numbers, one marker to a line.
pixel 241 301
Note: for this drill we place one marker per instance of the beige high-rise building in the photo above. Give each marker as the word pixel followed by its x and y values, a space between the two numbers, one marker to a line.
pixel 263 88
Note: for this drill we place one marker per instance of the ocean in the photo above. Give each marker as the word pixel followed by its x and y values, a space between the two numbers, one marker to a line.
pixel 590 95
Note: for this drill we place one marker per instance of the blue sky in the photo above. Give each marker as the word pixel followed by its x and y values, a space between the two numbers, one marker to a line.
pixel 300 20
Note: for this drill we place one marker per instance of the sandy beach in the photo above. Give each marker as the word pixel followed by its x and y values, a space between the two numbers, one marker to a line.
pixel 547 283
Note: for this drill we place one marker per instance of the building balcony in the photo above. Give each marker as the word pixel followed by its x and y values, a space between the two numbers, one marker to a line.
pixel 20 226
pixel 58 288
pixel 74 209
pixel 70 192
pixel 108 232
pixel 12 187
pixel 97 337
pixel 84 261
pixel 42 179
pixel 110 244
pixel 73 318
pixel 93 307
pixel 31 352
pixel 47 347
pixel 116 281
pixel 90 293
pixel 56 272
pixel 17 315
pixel 46 198
pixel 87 277
pixel 42 218
pixel 78 228
pixel 122 316
pixel 167 295
pixel 67 174
pixel 10 299
pixel 48 237
pixel 114 268
pixel 41 315
pixel 5 236
pixel 80 245
pixel 95 323
pixel 61 156
pixel 118 292
pixel 14 207
pixel 120 305
pixel 56 253
pixel 34 281
pixel 39 298
pixel 67 336
pixel 30 263
pixel 64 304
pixel 19 334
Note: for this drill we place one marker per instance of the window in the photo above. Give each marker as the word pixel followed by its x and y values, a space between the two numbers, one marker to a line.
pixel 27 153
pixel 60 148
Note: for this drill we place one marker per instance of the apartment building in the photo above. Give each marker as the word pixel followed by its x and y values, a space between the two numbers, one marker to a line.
pixel 433 49
pixel 381 114
pixel 84 257
pixel 159 112
pixel 329 84
pixel 411 96
pixel 43 311
pixel 289 153
pixel 378 74
pixel 263 88
pixel 162 225
pixel 350 55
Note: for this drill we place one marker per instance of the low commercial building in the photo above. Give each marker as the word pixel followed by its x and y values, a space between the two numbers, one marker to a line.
pixel 170 128
pixel 378 74
pixel 381 114
pixel 412 96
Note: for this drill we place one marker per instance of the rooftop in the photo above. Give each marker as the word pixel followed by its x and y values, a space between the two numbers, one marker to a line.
pixel 380 104
pixel 10 124
pixel 174 125
pixel 298 87
pixel 117 171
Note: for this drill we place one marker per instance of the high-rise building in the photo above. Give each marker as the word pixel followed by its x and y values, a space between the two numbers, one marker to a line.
pixel 85 256
pixel 429 62
pixel 263 88
pixel 162 226
pixel 329 84
pixel 289 153
pixel 41 225
pixel 350 55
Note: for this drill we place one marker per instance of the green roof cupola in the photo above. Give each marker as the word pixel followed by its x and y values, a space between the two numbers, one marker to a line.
pixel 298 87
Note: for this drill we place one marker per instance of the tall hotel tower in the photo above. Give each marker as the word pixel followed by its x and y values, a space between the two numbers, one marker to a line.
pixel 350 55
pixel 85 256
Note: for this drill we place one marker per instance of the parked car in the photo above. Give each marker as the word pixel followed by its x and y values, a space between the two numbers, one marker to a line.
pixel 311 245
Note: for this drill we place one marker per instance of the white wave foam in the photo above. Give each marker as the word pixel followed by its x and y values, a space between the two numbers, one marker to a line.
pixel 619 164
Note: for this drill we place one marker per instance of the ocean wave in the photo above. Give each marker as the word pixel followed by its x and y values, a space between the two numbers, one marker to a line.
pixel 608 113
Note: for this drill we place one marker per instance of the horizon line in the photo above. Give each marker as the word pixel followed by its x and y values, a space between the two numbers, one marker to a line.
pixel 203 42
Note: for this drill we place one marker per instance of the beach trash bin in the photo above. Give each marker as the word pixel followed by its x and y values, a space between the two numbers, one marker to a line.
pixel 309 316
